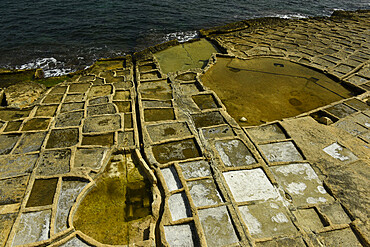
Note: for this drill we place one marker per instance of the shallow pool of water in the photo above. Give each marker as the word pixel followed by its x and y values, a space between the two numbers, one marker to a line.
pixel 266 89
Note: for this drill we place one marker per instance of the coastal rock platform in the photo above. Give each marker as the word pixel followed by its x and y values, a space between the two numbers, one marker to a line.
pixel 124 154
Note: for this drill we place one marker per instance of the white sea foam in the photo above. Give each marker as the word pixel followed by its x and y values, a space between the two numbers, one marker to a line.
pixel 290 16
pixel 50 65
pixel 182 36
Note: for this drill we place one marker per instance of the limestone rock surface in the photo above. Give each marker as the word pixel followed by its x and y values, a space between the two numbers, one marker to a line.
pixel 23 94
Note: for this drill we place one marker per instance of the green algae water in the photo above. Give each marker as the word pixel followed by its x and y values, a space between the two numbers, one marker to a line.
pixel 62 36
pixel 267 89
pixel 118 209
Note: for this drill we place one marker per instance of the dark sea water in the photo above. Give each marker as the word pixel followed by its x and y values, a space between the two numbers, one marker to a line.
pixel 63 35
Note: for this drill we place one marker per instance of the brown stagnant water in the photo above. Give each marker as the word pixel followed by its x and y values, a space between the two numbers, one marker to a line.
pixel 117 210
pixel 267 89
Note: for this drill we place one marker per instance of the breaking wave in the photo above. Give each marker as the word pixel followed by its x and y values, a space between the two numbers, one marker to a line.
pixel 50 65
pixel 182 36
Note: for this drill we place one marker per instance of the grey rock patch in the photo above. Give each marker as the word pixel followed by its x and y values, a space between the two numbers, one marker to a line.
pixel 204 193
pixel 102 123
pixel 90 157
pixel 180 235
pixel 69 192
pixel 54 162
pixel 217 226
pixel 195 169
pixel 234 153
pixel 17 165
pixel 172 179
pixel 281 152
pixel 339 152
pixel 33 227
pixel 250 185
pixel 179 206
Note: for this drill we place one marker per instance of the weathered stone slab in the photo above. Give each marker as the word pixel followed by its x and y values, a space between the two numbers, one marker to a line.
pixel 12 190
pixel 123 85
pixel 75 106
pixel 53 99
pixel 104 123
pixel 195 169
pixel 335 213
pixel 179 206
pixel 78 87
pixel 217 226
pixel 46 110
pixel 172 179
pixel 309 219
pixel 101 109
pixel 302 184
pixel 341 110
pixel 6 223
pixel 349 125
pixel 339 152
pixel 234 153
pixel 190 88
pixel 344 237
pixel 271 132
pixel 122 95
pixel 176 150
pixel 13 126
pixel 17 165
pixel 123 106
pixel 7 142
pixel 153 75
pixel 74 98
pixel 90 157
pixel 70 190
pixel 60 138
pixel 160 132
pixel 99 100
pixel 204 193
pixel 126 139
pixel 268 219
pixel 54 162
pixel 217 132
pixel 99 91
pixel 281 152
pixel 160 90
pixel 250 185
pixel 9 115
pixel 357 104
pixel 36 124
pixel 181 235
pixel 58 90
pixel 69 119
pixel 33 227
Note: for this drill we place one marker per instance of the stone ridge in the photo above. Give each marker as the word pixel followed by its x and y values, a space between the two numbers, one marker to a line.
pixel 301 181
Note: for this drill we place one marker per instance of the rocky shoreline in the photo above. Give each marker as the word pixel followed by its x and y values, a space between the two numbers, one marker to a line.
pixel 172 162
